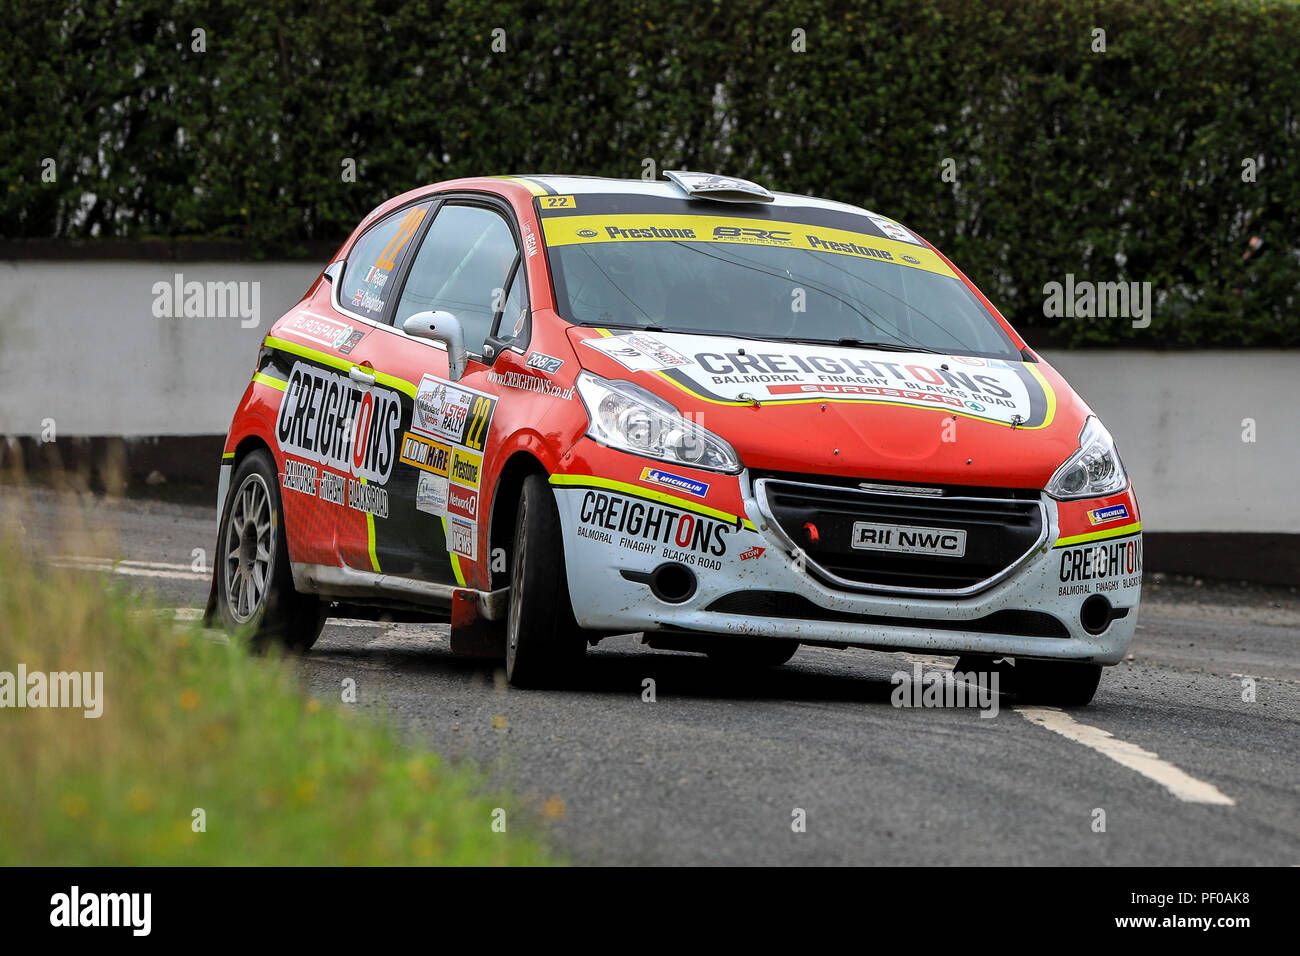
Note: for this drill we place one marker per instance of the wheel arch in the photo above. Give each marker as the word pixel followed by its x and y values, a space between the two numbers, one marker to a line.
pixel 505 507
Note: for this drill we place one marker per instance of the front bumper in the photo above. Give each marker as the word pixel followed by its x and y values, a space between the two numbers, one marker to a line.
pixel 748 582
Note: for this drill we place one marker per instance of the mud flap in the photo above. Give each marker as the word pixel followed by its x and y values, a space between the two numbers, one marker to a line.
pixel 472 635
pixel 210 609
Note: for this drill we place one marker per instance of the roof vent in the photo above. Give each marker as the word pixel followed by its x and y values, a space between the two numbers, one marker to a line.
pixel 721 188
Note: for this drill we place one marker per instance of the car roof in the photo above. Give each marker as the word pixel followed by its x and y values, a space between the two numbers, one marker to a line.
pixel 551 184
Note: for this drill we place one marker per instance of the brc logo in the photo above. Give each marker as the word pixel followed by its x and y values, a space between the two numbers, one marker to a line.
pixel 759 235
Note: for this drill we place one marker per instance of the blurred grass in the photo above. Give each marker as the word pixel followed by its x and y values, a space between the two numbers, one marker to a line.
pixel 191 723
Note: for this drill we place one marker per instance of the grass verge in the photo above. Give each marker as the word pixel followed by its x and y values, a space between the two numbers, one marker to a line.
pixel 189 725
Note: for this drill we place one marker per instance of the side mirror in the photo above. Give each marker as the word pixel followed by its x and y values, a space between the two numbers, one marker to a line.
pixel 439 326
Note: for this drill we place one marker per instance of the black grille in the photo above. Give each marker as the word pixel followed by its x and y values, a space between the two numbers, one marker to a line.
pixel 999 531
pixel 785 604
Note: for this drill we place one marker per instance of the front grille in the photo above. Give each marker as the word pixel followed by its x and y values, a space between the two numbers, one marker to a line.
pixel 1000 531
pixel 785 604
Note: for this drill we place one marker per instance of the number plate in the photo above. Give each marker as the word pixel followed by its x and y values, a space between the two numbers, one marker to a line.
pixel 909 539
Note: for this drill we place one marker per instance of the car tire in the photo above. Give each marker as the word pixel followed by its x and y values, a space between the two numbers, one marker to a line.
pixel 753 652
pixel 1062 683
pixel 544 646
pixel 254 587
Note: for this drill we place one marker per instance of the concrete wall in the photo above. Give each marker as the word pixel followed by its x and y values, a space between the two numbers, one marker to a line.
pixel 79 343
pixel 1178 418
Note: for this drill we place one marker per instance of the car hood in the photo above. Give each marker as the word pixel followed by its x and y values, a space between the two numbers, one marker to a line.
pixel 863 413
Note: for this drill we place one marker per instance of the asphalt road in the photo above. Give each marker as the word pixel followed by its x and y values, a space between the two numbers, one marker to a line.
pixel 715 769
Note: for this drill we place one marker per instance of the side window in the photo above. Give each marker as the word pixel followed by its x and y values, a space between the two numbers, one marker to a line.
pixel 514 315
pixel 375 258
pixel 461 268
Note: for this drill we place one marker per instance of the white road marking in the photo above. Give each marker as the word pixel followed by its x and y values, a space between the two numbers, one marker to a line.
pixel 148 569
pixel 1180 784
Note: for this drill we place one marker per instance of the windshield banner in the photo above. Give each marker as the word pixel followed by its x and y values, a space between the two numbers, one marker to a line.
pixel 576 230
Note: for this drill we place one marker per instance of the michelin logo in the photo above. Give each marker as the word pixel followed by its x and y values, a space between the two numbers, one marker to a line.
pixel 653 476
pixel 1103 515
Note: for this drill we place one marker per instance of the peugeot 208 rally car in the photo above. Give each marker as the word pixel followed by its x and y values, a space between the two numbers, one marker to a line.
pixel 552 409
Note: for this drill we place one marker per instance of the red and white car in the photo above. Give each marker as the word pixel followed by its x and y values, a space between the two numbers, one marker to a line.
pixel 552 409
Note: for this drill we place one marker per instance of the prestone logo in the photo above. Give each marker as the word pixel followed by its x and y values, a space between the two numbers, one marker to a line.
pixel 946 689
pixel 74 908
pixel 76 689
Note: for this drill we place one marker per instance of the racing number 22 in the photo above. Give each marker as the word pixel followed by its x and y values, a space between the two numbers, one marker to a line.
pixel 480 414
pixel 405 229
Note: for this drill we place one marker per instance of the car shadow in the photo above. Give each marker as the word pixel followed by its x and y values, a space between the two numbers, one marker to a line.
pixel 623 672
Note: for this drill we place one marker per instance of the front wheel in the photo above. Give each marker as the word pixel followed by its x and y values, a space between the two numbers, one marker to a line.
pixel 544 645
pixel 254 584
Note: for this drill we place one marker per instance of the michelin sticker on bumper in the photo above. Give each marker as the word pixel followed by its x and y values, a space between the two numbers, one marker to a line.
pixel 656 476
pixel 1105 515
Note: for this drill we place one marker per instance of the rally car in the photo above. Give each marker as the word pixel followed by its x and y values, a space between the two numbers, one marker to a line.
pixel 552 409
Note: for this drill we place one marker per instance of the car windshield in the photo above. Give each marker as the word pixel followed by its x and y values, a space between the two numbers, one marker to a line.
pixel 766 279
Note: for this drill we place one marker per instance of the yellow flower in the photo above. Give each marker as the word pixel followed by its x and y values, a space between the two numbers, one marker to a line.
pixel 73 805
pixel 189 699
pixel 417 769
pixel 139 799
pixel 554 808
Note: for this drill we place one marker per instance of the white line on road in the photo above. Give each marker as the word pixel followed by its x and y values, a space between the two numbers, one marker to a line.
pixel 1180 784
pixel 148 569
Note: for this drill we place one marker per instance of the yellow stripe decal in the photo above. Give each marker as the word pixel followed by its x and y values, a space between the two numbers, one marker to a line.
pixel 591 481
pixel 278 384
pixel 1048 392
pixel 528 184
pixel 370 536
pixel 455 558
pixel 335 361
pixel 1126 529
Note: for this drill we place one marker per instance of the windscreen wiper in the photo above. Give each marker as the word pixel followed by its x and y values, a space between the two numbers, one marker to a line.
pixel 863 344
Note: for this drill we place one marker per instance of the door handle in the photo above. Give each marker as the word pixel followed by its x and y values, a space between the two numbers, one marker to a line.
pixel 361 376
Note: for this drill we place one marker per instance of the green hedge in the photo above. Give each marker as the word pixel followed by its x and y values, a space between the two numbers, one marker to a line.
pixel 1123 165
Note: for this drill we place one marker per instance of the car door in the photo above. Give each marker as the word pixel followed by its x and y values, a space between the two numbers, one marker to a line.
pixel 436 498
pixel 335 428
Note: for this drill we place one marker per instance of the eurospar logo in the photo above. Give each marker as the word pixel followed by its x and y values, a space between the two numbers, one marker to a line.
pixel 1104 515
pixel 656 476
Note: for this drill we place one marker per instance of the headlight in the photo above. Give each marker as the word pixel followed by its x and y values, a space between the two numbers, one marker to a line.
pixel 1092 471
pixel 631 419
